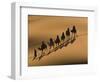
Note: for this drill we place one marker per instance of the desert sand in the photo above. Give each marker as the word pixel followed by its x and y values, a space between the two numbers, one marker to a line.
pixel 42 28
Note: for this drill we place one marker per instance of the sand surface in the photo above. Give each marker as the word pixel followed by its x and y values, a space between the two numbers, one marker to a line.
pixel 42 28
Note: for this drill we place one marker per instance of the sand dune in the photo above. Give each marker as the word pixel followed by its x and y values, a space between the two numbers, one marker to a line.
pixel 41 28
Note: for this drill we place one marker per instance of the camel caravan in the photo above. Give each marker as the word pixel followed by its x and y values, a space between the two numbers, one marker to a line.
pixel 69 36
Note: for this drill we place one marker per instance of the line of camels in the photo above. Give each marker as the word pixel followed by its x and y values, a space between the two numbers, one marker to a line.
pixel 69 36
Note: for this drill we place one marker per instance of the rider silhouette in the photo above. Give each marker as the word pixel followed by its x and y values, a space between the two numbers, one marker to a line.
pixel 74 32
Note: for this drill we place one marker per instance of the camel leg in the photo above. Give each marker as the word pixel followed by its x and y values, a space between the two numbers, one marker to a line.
pixel 33 58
